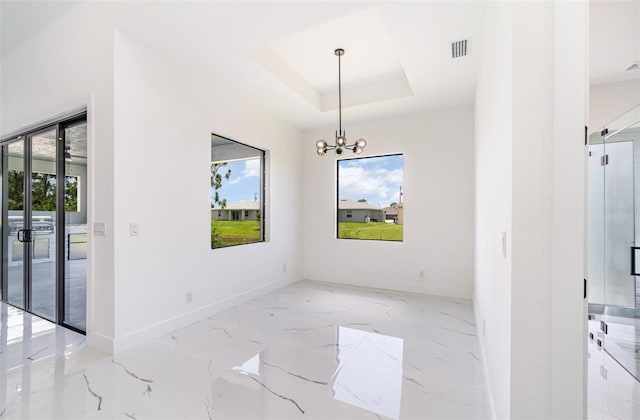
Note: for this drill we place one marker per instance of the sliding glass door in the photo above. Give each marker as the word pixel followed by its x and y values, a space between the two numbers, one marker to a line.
pixel 44 222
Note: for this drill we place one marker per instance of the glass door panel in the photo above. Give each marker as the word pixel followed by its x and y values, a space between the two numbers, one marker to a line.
pixel 75 213
pixel 42 247
pixel 621 163
pixel 14 247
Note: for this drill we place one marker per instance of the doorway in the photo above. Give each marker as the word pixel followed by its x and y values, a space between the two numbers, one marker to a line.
pixel 614 240
pixel 44 221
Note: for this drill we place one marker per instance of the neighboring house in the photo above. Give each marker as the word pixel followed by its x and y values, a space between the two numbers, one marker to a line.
pixel 240 210
pixel 356 211
pixel 390 214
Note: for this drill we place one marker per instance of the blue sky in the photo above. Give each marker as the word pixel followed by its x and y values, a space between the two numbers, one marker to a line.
pixel 376 179
pixel 244 183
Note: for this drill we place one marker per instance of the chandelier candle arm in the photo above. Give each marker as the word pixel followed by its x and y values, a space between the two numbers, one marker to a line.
pixel 341 139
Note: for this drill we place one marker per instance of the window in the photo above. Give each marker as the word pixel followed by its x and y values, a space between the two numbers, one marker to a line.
pixel 237 185
pixel 370 198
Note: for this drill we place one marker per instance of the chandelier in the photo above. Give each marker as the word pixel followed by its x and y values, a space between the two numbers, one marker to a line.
pixel 341 139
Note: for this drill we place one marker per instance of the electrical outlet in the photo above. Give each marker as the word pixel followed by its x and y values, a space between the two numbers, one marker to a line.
pixel 284 268
pixel 421 274
pixel 188 297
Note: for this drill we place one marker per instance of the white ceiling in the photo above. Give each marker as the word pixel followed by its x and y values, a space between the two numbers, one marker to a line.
pixel 20 20
pixel 282 53
pixel 371 72
pixel 614 40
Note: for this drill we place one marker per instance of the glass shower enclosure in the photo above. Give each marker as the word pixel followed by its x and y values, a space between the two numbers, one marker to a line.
pixel 614 239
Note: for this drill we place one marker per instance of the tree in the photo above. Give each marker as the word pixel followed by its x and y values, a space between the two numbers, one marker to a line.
pixel 15 189
pixel 362 200
pixel 393 205
pixel 43 191
pixel 71 193
pixel 216 182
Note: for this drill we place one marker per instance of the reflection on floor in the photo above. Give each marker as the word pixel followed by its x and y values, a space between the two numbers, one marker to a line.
pixel 309 350
pixel 613 392
pixel 323 350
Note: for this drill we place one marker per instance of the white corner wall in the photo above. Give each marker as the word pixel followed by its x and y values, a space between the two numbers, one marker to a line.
pixel 493 210
pixel 543 373
pixel 438 196
pixel 164 117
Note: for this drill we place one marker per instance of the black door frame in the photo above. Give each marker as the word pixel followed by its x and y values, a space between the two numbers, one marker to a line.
pixel 25 137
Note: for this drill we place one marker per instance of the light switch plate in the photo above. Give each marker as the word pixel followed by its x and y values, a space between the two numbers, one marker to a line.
pixel 134 229
pixel 504 244
pixel 100 228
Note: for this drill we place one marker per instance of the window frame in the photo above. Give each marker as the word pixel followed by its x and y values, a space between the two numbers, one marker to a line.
pixel 349 213
pixel 262 196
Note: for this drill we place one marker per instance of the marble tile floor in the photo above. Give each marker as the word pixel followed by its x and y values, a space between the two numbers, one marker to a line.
pixel 310 350
pixel 613 393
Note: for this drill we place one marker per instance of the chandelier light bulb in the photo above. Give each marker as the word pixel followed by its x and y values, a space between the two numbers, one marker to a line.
pixel 341 141
pixel 321 151
pixel 361 144
pixel 321 144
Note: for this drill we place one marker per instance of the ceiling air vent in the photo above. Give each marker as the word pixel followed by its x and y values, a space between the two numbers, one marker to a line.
pixel 633 66
pixel 460 48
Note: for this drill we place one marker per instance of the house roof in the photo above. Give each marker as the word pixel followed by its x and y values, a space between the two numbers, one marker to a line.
pixel 391 211
pixel 240 205
pixel 355 205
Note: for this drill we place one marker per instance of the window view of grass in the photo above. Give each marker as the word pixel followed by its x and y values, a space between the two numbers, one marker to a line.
pixel 231 232
pixel 372 230
pixel 236 193
pixel 370 198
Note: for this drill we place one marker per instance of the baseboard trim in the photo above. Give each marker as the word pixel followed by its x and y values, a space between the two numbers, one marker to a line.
pixel 450 292
pixel 485 365
pixel 100 342
pixel 159 329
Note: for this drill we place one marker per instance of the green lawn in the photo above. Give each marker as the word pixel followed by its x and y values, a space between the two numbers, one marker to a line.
pixel 234 232
pixel 380 231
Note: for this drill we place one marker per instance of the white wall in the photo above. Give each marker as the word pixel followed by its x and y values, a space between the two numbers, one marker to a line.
pixel 438 197
pixel 609 101
pixel 493 210
pixel 164 117
pixel 544 346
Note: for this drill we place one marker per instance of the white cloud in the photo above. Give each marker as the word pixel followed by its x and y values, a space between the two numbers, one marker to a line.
pixel 378 186
pixel 251 170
